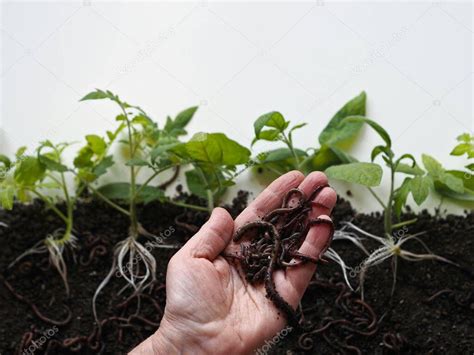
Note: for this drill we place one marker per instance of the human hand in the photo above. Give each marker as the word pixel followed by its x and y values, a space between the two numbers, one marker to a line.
pixel 210 308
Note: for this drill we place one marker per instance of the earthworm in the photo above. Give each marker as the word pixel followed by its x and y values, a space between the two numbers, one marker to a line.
pixel 394 341
pixel 274 244
pixel 35 309
pixel 168 182
pixel 99 250
pixel 191 228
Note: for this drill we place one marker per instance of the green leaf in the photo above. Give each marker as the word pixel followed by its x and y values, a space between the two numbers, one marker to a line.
pixel 121 191
pixel 420 188
pixel 195 184
pixel 96 143
pixel 19 153
pixel 272 119
pixel 367 174
pixel 432 166
pixel 324 158
pixel 84 158
pixel 378 150
pixel 281 154
pixel 96 95
pixel 51 164
pixel 5 161
pixel 213 148
pixel 136 162
pixel 343 156
pixel 104 164
pixel 452 182
pixel 465 137
pixel 461 149
pixel 29 171
pixel 162 148
pixel 184 117
pixel 400 197
pixel 7 194
pixel 468 182
pixel 268 135
pixel 298 126
pixel 375 126
pixel 410 170
pixel 470 167
pixel 334 133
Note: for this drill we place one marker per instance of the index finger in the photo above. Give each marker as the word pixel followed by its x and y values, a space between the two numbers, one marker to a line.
pixel 270 198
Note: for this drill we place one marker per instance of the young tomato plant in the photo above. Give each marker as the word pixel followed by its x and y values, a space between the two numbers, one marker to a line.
pixel 146 146
pixel 333 140
pixel 465 147
pixel 214 158
pixel 28 176
pixel 418 182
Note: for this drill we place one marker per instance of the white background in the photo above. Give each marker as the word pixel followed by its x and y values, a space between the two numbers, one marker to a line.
pixel 238 60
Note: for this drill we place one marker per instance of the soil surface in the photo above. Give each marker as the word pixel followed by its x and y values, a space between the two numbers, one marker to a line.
pixel 431 312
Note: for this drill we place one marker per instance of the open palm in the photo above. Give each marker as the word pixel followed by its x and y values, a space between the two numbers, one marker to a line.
pixel 210 308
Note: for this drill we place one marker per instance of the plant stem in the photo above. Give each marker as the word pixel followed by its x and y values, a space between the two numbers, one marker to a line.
pixel 289 143
pixel 404 223
pixel 142 186
pixel 210 197
pixel 70 206
pixel 51 205
pixel 108 201
pixel 388 209
pixel 132 208
pixel 186 205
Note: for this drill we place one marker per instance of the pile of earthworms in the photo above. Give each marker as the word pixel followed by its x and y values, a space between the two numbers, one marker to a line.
pixel 274 244
pixel 351 317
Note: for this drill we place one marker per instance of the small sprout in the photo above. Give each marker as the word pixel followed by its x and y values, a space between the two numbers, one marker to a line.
pixel 418 182
pixel 333 140
pixel 27 177
pixel 145 146
pixel 214 158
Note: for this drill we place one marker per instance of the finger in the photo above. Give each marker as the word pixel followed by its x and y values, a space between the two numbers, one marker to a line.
pixel 270 198
pixel 315 242
pixel 213 236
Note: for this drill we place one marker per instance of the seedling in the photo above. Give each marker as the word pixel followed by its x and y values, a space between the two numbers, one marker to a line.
pixel 333 140
pixel 27 177
pixel 146 146
pixel 465 147
pixel 419 183
pixel 214 158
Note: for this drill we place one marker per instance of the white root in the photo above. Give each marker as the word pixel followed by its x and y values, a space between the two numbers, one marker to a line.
pixel 56 253
pixel 3 225
pixel 391 248
pixel 135 263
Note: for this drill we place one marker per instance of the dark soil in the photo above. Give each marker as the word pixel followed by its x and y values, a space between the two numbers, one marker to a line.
pixel 411 323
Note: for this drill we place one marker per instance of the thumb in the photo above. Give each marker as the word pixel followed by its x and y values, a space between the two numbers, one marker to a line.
pixel 213 236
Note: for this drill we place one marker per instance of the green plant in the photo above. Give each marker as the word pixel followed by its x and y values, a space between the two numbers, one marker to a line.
pixel 418 182
pixel 214 158
pixel 146 146
pixel 333 140
pixel 464 147
pixel 28 176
